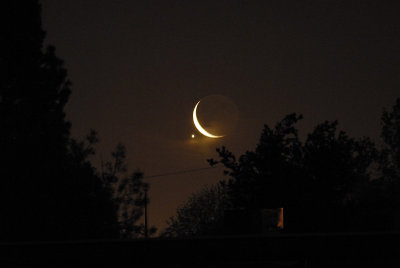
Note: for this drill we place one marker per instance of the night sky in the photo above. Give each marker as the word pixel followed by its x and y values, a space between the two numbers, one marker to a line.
pixel 138 68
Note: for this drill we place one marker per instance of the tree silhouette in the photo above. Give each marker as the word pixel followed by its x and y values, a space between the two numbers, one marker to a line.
pixel 202 214
pixel 129 193
pixel 390 159
pixel 49 188
pixel 335 163
pixel 381 198
pixel 335 167
pixel 315 182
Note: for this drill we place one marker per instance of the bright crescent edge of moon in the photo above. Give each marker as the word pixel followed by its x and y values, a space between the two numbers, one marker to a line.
pixel 199 127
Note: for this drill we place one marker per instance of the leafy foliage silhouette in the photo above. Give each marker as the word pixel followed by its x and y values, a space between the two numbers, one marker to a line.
pixel 390 157
pixel 323 184
pixel 312 181
pixel 50 190
pixel 383 195
pixel 202 214
pixel 129 194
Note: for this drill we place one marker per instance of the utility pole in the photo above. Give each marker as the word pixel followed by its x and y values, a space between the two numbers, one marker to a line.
pixel 145 214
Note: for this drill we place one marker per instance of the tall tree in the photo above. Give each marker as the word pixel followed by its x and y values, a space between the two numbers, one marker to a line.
pixel 335 167
pixel 49 188
pixel 312 181
pixel 264 178
pixel 335 163
pixel 390 160
pixel 382 196
pixel 128 193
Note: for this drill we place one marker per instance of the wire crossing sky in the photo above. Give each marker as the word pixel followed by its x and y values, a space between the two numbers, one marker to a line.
pixel 180 172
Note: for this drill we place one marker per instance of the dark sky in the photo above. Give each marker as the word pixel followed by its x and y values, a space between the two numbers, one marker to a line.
pixel 139 67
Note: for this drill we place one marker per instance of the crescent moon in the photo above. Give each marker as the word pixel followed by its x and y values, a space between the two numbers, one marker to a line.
pixel 199 127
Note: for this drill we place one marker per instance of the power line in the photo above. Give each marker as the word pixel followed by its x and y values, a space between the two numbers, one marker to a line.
pixel 180 172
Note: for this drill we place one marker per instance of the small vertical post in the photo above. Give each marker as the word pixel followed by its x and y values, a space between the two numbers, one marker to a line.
pixel 145 214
